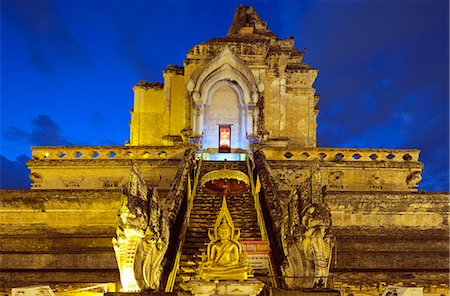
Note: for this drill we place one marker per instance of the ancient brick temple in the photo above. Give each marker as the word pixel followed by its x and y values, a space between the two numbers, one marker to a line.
pixel 237 119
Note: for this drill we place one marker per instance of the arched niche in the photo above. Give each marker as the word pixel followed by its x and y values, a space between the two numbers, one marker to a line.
pixel 224 108
pixel 224 88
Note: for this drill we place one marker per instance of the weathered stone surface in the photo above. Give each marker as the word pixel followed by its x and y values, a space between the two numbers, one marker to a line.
pixel 52 209
pixel 101 167
pixel 378 233
pixel 347 169
pixel 145 228
pixel 419 211
pixel 51 236
pixel 143 293
pixel 386 232
pixel 55 278
pixel 306 292
pixel 250 287
pixel 205 208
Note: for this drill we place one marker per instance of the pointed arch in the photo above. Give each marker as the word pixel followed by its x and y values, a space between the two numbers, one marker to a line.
pixel 225 66
pixel 227 70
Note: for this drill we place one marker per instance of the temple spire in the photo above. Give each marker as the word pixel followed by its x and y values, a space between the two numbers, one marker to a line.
pixel 247 21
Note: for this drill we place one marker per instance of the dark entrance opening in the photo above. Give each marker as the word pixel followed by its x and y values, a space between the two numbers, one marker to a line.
pixel 224 138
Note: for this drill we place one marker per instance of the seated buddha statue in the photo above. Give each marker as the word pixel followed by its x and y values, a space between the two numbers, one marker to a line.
pixel 224 252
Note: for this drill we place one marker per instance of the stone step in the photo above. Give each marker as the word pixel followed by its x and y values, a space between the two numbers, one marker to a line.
pixel 220 165
pixel 201 233
pixel 204 213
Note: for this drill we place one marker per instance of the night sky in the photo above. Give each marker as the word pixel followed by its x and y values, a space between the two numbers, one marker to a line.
pixel 67 68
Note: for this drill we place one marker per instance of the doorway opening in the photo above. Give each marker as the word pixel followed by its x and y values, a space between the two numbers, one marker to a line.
pixel 224 138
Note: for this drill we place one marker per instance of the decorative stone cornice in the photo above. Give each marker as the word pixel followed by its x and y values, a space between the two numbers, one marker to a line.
pixel 225 174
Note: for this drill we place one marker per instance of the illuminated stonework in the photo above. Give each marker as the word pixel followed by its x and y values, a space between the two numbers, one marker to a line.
pixel 225 259
pixel 350 219
pixel 141 239
pixel 306 235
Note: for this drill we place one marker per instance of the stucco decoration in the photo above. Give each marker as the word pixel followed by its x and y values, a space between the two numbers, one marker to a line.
pixel 307 239
pixel 303 227
pixel 225 60
pixel 413 179
pixel 72 181
pixel 226 69
pixel 335 179
pixel 140 241
pixel 287 178
pixel 375 181
pixel 143 230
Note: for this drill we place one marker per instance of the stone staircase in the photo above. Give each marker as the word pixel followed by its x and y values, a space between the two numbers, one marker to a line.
pixel 203 215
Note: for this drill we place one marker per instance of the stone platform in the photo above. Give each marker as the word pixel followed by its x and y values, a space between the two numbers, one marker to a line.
pixel 306 292
pixel 251 287
pixel 143 293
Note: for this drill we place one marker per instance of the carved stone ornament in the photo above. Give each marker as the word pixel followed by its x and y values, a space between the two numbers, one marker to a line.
pixel 375 182
pixel 225 174
pixel 111 182
pixel 335 180
pixel 287 178
pixel 143 230
pixel 307 239
pixel 141 236
pixel 336 177
pixel 71 181
pixel 413 179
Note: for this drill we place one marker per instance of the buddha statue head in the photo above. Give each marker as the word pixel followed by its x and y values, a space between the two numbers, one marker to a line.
pixel 224 230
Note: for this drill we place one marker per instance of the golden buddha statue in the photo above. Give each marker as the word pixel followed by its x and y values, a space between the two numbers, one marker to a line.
pixel 224 257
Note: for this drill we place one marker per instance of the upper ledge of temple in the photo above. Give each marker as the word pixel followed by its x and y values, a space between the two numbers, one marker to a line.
pixel 175 69
pixel 247 22
pixel 171 69
pixel 298 67
pixel 353 155
pixel 106 152
pixel 146 84
pixel 328 154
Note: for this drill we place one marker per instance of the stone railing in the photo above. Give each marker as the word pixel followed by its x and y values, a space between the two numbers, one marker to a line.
pixel 176 152
pixel 106 152
pixel 342 154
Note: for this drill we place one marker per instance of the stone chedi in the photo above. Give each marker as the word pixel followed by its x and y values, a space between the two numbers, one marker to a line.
pixel 349 219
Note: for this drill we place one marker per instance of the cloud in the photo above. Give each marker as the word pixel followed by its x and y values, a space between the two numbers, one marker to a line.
pixel 17 135
pixel 133 49
pixel 48 39
pixel 44 132
pixel 132 54
pixel 14 174
pixel 96 119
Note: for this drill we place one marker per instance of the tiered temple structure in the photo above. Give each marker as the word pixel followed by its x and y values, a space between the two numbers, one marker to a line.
pixel 238 119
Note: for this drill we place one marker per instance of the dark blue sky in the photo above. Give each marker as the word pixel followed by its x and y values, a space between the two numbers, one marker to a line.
pixel 67 68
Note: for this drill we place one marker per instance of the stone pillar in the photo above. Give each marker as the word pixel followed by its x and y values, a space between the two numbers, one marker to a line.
pixel 200 120
pixel 197 120
pixel 194 121
pixel 251 120
pixel 282 104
